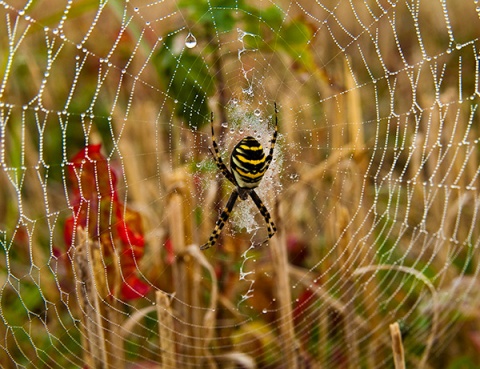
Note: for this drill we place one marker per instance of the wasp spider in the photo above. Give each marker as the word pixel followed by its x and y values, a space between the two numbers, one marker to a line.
pixel 248 165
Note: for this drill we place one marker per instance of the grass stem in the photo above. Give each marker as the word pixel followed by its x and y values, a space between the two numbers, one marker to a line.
pixel 397 346
pixel 278 247
pixel 166 330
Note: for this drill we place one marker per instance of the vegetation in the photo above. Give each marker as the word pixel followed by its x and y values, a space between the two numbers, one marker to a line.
pixel 108 188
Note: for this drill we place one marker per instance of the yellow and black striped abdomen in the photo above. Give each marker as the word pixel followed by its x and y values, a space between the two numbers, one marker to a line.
pixel 248 163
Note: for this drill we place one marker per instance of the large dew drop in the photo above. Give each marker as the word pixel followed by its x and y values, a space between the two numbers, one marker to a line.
pixel 190 41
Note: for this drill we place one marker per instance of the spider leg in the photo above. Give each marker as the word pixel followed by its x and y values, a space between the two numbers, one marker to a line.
pixel 272 229
pixel 221 221
pixel 273 140
pixel 218 159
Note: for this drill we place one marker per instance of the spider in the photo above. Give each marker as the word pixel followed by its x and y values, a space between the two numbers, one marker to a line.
pixel 248 165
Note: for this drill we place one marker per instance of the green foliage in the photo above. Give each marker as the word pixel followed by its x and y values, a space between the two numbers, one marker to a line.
pixel 190 82
pixel 218 14
pixel 187 76
pixel 294 40
pixel 463 362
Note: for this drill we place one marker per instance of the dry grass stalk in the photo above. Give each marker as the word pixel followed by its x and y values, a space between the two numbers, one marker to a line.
pixel 186 271
pixel 354 113
pixel 278 247
pixel 100 349
pixel 347 258
pixel 397 346
pixel 180 279
pixel 208 324
pixel 166 330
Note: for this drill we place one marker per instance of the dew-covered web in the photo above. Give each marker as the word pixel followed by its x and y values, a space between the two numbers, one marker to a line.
pixel 108 185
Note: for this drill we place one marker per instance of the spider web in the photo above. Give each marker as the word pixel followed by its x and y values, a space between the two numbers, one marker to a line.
pixel 108 186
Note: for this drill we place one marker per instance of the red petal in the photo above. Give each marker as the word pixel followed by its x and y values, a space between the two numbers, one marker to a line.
pixel 68 231
pixel 170 253
pixel 134 288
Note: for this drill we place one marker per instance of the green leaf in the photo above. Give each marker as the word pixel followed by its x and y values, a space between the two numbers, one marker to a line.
pixel 190 83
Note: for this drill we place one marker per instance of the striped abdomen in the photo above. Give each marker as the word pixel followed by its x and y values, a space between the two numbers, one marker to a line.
pixel 248 163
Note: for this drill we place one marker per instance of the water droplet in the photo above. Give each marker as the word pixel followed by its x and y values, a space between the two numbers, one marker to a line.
pixel 256 112
pixel 224 124
pixel 264 311
pixel 190 41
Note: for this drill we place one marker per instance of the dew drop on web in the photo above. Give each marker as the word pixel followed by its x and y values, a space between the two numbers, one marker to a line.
pixel 190 41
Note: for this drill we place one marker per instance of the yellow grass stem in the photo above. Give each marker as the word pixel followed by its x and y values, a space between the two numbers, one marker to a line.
pixel 397 346
pixel 181 281
pixel 278 247
pixel 354 112
pixel 166 330
pixel 208 323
